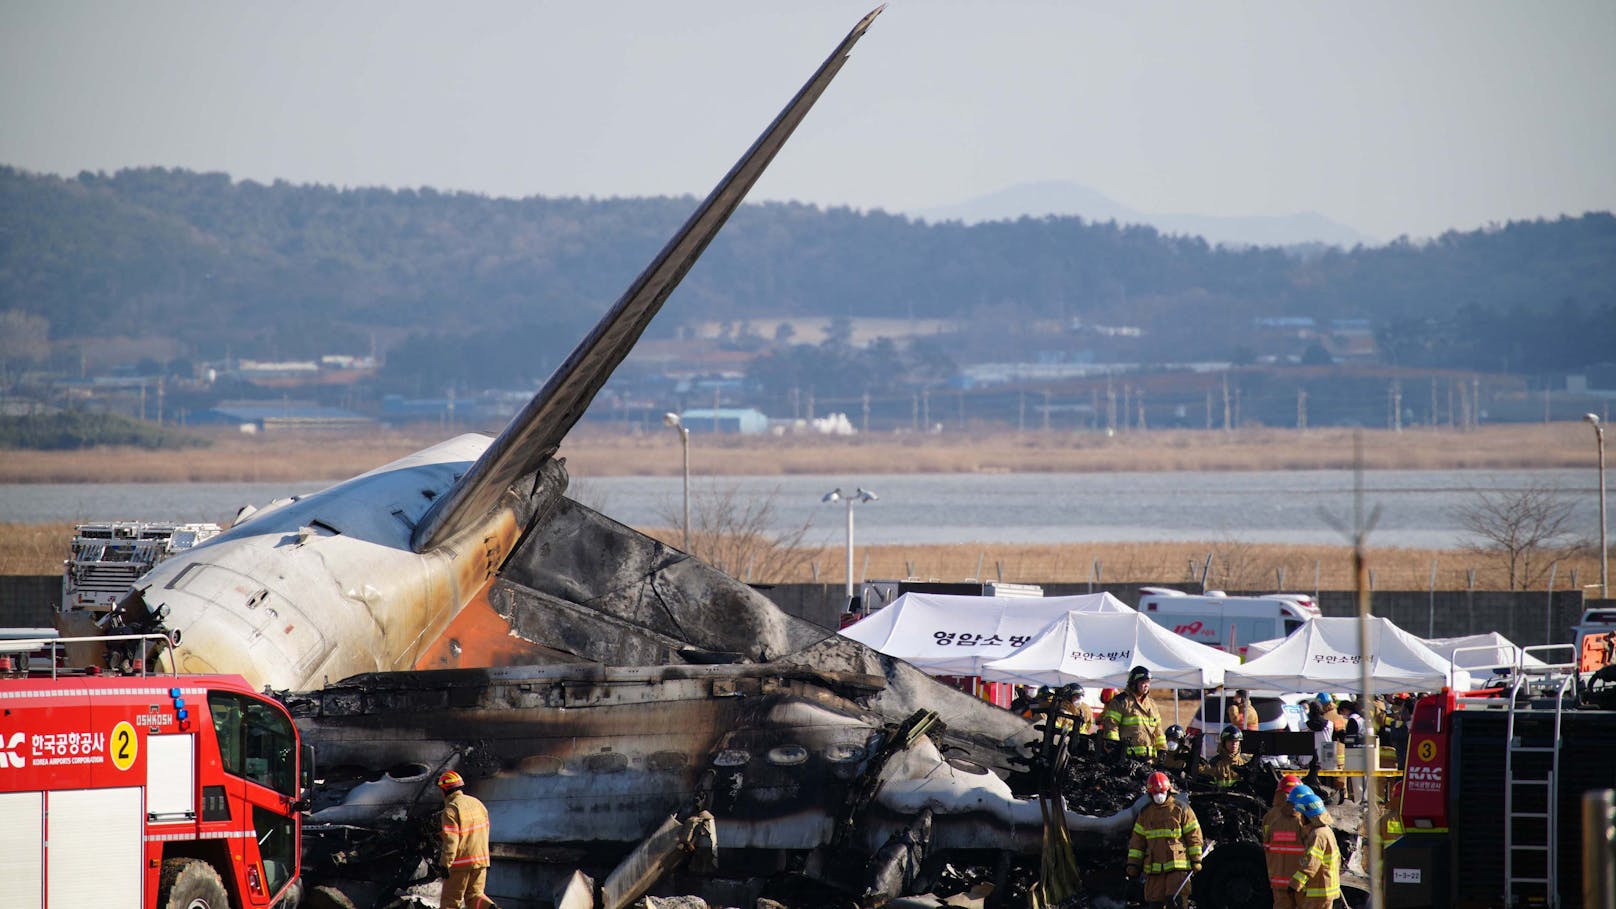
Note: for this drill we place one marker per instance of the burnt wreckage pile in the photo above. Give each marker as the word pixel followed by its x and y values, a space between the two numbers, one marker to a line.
pixel 834 775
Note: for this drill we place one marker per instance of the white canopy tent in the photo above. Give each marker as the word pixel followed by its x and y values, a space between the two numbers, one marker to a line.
pixel 1324 655
pixel 1099 650
pixel 955 635
pixel 1262 648
pixel 1483 651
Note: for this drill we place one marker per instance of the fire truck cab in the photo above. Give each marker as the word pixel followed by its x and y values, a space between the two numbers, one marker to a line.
pixel 146 791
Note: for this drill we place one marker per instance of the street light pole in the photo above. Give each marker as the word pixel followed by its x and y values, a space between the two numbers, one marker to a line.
pixel 672 419
pixel 861 495
pixel 1604 548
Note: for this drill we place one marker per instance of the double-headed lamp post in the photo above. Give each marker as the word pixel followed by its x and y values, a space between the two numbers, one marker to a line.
pixel 861 495
pixel 672 419
pixel 1604 550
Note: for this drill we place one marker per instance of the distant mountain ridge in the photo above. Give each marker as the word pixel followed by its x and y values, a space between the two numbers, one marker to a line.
pixel 1064 198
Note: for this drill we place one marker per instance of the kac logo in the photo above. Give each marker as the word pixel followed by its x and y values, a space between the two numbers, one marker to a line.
pixel 10 757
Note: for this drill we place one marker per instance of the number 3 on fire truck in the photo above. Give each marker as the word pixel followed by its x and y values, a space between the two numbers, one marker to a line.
pixel 1427 750
pixel 125 745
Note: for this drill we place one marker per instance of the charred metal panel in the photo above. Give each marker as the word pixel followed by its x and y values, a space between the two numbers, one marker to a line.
pixel 581 556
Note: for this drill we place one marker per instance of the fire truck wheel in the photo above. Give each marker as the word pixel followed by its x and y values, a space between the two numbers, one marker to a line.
pixel 191 884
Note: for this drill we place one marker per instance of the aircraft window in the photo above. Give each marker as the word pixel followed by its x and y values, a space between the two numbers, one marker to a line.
pixel 666 761
pixel 842 754
pixel 180 578
pixel 607 762
pixel 788 755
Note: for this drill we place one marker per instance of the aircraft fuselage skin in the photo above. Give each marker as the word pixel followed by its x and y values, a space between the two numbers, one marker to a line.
pixel 324 586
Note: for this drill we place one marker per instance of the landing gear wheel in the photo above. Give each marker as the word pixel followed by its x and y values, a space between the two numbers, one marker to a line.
pixel 191 884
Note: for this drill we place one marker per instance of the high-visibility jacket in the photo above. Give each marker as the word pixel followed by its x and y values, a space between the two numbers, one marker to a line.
pixel 1166 838
pixel 1282 842
pixel 1224 769
pixel 1242 718
pixel 1135 723
pixel 1317 880
pixel 1074 717
pixel 465 832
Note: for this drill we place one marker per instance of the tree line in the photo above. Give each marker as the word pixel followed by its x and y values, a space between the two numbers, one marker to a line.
pixel 283 271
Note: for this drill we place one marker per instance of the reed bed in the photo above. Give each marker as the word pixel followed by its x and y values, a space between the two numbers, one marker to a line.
pixel 599 452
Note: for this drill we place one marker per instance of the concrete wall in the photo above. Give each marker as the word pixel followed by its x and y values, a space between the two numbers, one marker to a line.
pixel 1522 616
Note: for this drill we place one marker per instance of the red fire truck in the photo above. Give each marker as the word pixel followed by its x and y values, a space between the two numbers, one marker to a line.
pixel 145 790
pixel 1492 790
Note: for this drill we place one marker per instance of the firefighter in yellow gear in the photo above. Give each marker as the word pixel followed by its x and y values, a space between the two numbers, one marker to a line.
pixel 1166 846
pixel 463 854
pixel 1176 756
pixel 1132 720
pixel 1317 881
pixel 1227 768
pixel 1070 713
pixel 1282 843
pixel 1240 712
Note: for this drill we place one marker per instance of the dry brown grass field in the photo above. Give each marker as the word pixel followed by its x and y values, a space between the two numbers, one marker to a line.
pixel 40 549
pixel 591 452
pixel 597 452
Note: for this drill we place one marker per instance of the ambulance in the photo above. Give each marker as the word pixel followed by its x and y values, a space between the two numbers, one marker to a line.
pixel 1225 622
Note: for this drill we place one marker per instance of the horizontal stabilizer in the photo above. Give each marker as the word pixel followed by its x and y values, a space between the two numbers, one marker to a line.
pixel 535 433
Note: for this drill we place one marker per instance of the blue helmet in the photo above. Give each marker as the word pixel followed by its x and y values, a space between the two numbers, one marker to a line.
pixel 1305 800
pixel 1324 698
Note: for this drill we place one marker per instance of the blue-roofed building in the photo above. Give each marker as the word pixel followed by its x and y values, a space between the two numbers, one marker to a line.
pixel 744 421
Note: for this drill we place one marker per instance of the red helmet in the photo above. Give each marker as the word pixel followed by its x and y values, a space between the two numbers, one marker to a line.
pixel 1288 782
pixel 450 780
pixel 1158 782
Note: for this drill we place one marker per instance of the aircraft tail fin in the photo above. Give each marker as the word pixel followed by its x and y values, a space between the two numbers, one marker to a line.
pixel 535 433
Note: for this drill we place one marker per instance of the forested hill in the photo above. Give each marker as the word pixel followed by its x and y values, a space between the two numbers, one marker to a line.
pixel 289 270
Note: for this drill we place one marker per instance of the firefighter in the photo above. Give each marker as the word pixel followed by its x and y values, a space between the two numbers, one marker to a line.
pixel 1131 718
pixel 463 856
pixel 1071 714
pixel 1166 846
pixel 1241 713
pixel 1317 881
pixel 1228 767
pixel 1282 843
pixel 1177 754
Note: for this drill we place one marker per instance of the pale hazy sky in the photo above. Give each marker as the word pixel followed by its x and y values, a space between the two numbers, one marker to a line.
pixel 1392 117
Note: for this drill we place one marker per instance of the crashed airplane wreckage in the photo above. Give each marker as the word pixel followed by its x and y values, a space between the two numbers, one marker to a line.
pixel 664 710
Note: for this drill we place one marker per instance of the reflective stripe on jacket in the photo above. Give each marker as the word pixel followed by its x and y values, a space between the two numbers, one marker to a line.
pixel 1165 838
pixel 1224 769
pixel 465 832
pixel 1282 842
pixel 1317 880
pixel 1135 723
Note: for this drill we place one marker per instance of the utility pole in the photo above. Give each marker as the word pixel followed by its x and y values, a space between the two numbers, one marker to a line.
pixel 1227 423
pixel 864 425
pixel 1301 408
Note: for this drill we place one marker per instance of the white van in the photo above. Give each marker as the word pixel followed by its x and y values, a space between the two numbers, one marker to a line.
pixel 1225 622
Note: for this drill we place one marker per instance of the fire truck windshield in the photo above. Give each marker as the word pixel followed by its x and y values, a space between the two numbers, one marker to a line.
pixel 255 741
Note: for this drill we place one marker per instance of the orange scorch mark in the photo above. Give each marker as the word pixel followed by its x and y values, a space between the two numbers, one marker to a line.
pixel 483 637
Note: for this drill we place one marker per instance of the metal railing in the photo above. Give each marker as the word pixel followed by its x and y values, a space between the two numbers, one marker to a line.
pixel 25 645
